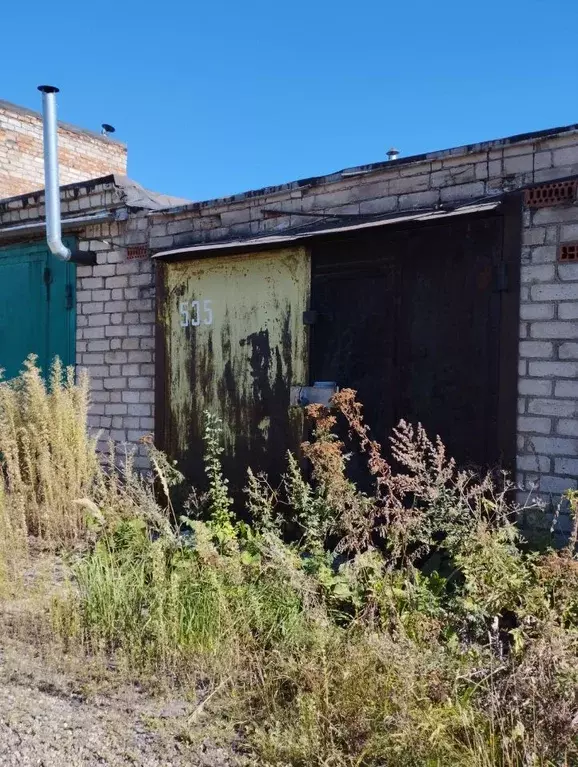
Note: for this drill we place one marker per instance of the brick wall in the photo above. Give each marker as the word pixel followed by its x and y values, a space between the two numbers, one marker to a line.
pixel 548 373
pixel 82 154
pixel 115 336
pixel 547 431
pixel 456 175
pixel 115 311
pixel 115 332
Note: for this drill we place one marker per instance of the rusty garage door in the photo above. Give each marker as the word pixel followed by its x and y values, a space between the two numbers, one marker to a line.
pixel 232 341
pixel 422 322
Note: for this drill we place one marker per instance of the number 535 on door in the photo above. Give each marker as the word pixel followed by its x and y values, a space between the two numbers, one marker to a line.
pixel 196 313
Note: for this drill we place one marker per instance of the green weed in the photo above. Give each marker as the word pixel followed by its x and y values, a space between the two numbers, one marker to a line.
pixel 406 624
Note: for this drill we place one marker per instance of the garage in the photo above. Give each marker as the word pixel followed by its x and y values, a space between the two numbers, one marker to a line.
pixel 418 313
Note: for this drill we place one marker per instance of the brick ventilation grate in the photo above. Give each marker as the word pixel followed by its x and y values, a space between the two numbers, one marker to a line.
pixel 556 193
pixel 568 252
pixel 136 251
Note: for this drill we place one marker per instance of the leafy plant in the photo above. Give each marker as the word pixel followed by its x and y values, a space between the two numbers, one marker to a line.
pixel 219 501
pixel 403 624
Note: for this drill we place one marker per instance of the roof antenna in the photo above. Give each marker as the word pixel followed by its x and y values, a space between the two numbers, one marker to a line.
pixel 106 129
pixel 393 154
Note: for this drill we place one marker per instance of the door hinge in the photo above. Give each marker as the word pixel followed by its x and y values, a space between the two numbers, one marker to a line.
pixel 501 278
pixel 68 296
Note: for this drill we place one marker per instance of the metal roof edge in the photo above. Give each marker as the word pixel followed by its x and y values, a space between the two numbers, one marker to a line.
pixel 72 223
pixel 89 183
pixel 278 240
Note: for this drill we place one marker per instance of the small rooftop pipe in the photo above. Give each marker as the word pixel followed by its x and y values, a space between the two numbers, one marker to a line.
pixel 52 185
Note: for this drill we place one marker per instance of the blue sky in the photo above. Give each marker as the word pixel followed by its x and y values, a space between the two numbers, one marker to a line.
pixel 218 97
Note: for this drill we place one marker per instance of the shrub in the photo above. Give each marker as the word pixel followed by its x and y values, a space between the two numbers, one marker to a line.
pixel 403 624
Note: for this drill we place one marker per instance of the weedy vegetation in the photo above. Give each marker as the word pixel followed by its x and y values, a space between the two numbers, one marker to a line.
pixel 407 623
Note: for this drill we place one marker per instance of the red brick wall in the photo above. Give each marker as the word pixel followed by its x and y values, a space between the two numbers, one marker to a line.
pixel 82 154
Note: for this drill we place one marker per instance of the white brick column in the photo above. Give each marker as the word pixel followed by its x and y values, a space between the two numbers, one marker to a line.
pixel 548 382
pixel 115 333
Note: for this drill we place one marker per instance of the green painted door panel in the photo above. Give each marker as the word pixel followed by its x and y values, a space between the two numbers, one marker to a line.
pixel 37 307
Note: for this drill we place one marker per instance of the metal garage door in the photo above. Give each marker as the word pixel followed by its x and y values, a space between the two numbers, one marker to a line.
pixel 37 298
pixel 232 341
pixel 419 322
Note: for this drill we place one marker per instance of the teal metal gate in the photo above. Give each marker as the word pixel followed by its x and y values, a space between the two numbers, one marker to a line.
pixel 37 307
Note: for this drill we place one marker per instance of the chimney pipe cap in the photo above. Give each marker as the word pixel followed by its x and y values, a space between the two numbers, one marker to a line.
pixel 48 89
pixel 393 153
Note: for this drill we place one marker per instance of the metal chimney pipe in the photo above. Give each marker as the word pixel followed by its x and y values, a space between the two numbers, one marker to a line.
pixel 51 182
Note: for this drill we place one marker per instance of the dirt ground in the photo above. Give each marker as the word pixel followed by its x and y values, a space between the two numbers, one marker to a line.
pixel 58 710
pixel 51 719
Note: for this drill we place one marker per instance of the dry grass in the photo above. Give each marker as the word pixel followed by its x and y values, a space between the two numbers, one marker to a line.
pixel 55 487
pixel 406 626
pixel 13 541
pixel 48 458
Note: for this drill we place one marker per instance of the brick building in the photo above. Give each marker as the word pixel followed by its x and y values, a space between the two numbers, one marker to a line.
pixel 546 346
pixel 82 153
pixel 110 305
pixel 132 232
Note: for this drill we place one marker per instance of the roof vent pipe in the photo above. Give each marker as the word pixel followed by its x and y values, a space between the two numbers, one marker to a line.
pixel 393 154
pixel 52 185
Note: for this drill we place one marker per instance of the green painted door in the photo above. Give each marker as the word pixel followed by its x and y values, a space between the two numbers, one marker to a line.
pixel 37 307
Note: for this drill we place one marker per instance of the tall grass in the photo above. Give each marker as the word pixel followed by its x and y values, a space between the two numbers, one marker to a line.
pixel 48 458
pixel 406 625
pixel 13 540
pixel 56 489
pixel 166 607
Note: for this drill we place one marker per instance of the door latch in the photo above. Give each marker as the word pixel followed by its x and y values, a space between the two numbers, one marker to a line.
pixel 320 393
pixel 310 317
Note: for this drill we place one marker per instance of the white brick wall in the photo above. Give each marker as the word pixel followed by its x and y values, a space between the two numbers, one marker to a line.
pixel 115 337
pixel 455 175
pixel 548 384
pixel 115 313
pixel 115 333
pixel 547 387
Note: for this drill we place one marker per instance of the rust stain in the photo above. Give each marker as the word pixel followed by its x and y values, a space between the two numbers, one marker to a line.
pixel 236 343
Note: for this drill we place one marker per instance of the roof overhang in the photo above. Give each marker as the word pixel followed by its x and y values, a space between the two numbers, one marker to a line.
pixel 71 224
pixel 270 242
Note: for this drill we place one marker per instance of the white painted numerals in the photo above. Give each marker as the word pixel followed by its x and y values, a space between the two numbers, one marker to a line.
pixel 196 313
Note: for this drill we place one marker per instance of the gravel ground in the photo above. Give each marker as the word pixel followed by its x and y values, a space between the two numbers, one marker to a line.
pixel 46 720
pixel 55 711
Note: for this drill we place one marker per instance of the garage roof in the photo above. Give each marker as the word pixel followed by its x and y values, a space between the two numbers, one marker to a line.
pixel 265 242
